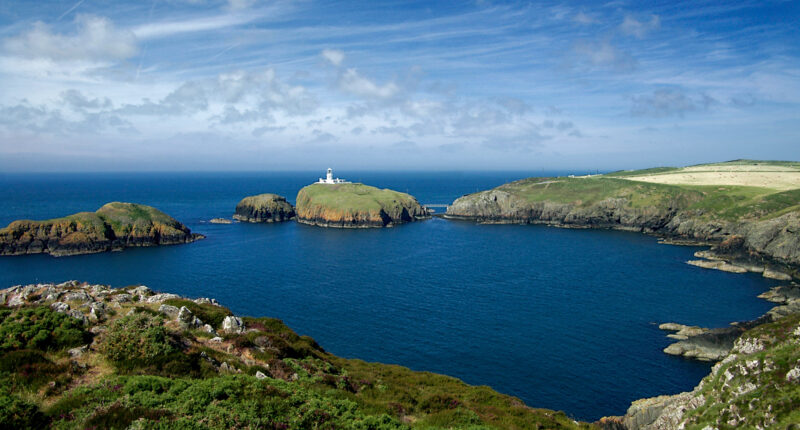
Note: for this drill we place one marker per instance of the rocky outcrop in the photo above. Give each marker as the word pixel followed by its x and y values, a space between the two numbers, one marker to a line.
pixel 264 208
pixel 773 243
pixel 112 227
pixel 356 206
pixel 754 386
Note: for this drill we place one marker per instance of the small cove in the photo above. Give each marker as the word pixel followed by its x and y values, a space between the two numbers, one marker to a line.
pixel 563 319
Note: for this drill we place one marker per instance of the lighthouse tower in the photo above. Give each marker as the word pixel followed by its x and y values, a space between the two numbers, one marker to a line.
pixel 329 179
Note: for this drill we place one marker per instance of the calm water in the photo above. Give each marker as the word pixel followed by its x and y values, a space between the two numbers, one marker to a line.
pixel 563 319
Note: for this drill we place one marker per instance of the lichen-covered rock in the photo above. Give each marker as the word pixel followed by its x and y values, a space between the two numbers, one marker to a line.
pixel 232 324
pixel 356 206
pixel 264 208
pixel 112 227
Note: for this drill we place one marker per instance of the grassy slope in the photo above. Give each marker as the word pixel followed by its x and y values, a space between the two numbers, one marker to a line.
pixel 719 202
pixel 751 389
pixel 123 218
pixel 179 389
pixel 352 197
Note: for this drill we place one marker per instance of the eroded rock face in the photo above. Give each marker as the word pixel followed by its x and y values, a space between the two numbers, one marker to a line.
pixel 232 324
pixel 356 206
pixel 113 227
pixel 264 208
pixel 773 242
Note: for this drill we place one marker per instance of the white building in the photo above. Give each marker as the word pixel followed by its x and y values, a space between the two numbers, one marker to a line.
pixel 329 179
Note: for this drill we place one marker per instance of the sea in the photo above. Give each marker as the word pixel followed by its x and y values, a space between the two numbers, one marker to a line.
pixel 561 318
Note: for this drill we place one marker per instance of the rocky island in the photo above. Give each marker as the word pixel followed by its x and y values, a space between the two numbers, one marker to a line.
pixel 113 227
pixel 264 208
pixel 91 356
pixel 748 210
pixel 353 205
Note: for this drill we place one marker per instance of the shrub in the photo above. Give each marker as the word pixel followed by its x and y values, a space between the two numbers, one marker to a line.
pixel 208 313
pixel 137 340
pixel 16 413
pixel 40 328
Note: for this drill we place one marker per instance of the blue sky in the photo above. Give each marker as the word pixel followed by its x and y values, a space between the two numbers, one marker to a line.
pixel 266 85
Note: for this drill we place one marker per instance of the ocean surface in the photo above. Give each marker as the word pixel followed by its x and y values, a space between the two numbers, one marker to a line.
pixel 563 319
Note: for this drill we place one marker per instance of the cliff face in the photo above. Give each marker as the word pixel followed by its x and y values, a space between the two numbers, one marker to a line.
pixel 264 208
pixel 113 227
pixel 356 206
pixel 666 211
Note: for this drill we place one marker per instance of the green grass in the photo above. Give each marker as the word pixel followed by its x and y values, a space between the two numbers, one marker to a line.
pixel 153 374
pixel 208 313
pixel 351 197
pixel 773 396
pixel 726 202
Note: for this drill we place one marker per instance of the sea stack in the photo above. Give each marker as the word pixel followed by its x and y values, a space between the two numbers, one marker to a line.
pixel 334 202
pixel 264 208
pixel 113 227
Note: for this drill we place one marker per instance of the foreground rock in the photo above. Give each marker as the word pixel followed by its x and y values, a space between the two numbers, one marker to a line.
pixel 356 206
pixel 756 385
pixel 264 208
pixel 157 360
pixel 113 227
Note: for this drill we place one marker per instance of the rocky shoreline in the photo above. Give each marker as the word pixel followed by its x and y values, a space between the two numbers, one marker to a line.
pixel 113 227
pixel 772 245
pixel 264 208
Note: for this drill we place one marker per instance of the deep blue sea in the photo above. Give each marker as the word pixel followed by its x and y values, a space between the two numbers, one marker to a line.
pixel 563 319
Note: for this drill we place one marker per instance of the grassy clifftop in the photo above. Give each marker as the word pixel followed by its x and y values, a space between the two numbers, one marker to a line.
pixel 756 201
pixel 161 361
pixel 355 205
pixel 116 225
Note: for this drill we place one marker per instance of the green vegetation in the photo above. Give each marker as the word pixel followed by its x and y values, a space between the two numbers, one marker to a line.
pixel 113 226
pixel 351 197
pixel 39 328
pixel 752 389
pixel 710 202
pixel 144 370
pixel 208 313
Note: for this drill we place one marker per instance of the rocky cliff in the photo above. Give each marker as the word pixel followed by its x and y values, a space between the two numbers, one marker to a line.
pixel 356 206
pixel 112 227
pixel 264 208
pixel 677 213
pixel 756 385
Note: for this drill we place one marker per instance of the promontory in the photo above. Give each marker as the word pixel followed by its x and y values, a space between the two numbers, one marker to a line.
pixel 354 205
pixel 748 210
pixel 264 208
pixel 113 227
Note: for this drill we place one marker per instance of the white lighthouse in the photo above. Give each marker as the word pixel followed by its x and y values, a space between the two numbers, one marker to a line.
pixel 329 179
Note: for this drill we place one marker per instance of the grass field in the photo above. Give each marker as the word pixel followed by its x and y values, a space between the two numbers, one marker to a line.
pixel 741 189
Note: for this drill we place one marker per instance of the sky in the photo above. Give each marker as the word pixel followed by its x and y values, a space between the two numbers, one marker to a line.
pixel 196 85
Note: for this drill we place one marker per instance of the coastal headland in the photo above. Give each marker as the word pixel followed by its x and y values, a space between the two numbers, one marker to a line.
pixel 749 211
pixel 113 227
pixel 92 356
pixel 354 205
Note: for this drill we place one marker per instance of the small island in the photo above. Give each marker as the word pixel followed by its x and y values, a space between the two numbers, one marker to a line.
pixel 264 208
pixel 113 227
pixel 340 204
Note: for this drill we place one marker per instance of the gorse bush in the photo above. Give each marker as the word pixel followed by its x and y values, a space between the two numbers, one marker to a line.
pixel 137 340
pixel 39 328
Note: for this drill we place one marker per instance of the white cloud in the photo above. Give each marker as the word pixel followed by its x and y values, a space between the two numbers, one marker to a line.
pixel 605 55
pixel 96 39
pixel 240 4
pixel 669 102
pixel 583 18
pixel 352 82
pixel 334 56
pixel 170 28
pixel 632 27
